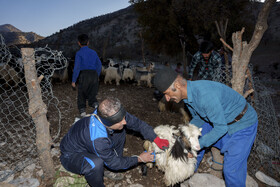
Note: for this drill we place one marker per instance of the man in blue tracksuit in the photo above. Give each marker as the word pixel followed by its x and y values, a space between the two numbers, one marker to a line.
pixel 98 140
pixel 87 69
pixel 228 122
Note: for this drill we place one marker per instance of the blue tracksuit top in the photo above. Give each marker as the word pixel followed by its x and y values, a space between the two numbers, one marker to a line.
pixel 86 59
pixel 217 104
pixel 89 135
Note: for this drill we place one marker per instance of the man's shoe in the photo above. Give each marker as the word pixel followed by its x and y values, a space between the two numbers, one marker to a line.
pixel 113 176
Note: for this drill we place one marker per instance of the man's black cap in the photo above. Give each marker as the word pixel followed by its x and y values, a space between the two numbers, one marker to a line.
pixel 164 78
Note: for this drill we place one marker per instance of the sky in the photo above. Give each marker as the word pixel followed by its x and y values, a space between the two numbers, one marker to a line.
pixel 45 17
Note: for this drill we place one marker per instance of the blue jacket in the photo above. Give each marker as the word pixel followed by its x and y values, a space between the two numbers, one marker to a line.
pixel 217 104
pixel 89 135
pixel 86 59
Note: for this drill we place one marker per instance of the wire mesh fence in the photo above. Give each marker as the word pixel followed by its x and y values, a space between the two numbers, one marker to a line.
pixel 18 132
pixel 265 154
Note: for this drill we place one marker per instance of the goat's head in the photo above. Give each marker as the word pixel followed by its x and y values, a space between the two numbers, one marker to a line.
pixel 181 147
pixel 192 133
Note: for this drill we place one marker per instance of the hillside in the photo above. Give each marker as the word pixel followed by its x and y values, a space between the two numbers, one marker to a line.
pixel 14 36
pixel 111 35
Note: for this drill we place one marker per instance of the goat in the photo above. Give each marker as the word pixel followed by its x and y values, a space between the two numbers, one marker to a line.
pixel 128 74
pixel 150 68
pixel 174 161
pixel 112 73
pixel 144 76
pixel 126 64
pixel 60 74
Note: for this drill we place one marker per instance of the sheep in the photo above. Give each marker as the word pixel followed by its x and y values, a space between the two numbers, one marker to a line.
pixel 9 75
pixel 61 74
pixel 150 68
pixel 171 106
pixel 126 64
pixel 174 161
pixel 128 74
pixel 144 76
pixel 112 63
pixel 111 73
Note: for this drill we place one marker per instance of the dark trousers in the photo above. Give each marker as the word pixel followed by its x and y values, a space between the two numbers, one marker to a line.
pixel 87 89
pixel 89 164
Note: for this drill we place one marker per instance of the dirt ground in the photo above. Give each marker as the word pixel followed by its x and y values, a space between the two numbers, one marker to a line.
pixel 139 101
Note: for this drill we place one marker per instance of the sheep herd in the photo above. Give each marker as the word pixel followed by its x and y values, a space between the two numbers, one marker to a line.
pixel 127 73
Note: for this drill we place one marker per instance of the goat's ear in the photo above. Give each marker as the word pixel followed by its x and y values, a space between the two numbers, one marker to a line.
pixel 200 129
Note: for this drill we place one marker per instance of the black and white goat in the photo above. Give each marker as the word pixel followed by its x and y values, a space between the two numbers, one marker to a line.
pixel 113 73
pixel 174 161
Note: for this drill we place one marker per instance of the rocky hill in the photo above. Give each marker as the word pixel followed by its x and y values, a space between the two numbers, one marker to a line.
pixel 14 36
pixel 111 35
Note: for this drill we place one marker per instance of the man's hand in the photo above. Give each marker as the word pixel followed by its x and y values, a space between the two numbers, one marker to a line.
pixel 146 157
pixel 73 85
pixel 161 143
pixel 190 155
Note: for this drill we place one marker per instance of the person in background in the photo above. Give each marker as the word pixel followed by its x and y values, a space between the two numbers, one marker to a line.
pixel 204 62
pixel 86 72
pixel 228 122
pixel 179 68
pixel 222 54
pixel 97 141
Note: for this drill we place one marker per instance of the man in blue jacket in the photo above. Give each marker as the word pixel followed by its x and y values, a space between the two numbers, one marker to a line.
pixel 87 69
pixel 98 140
pixel 228 122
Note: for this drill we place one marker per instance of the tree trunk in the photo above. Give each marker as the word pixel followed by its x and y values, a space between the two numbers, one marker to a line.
pixel 242 51
pixel 142 46
pixel 38 111
pixel 183 44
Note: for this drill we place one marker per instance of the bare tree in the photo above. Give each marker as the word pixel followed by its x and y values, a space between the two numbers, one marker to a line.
pixel 142 46
pixel 242 51
pixel 38 111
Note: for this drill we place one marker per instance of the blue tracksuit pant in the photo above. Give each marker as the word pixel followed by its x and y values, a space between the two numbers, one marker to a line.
pixel 236 149
pixel 89 164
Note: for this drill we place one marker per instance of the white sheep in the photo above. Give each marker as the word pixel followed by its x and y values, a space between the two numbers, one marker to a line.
pixel 149 68
pixel 126 64
pixel 128 74
pixel 111 73
pixel 111 62
pixel 145 77
pixel 174 161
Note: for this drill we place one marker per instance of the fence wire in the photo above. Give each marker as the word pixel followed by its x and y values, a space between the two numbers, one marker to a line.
pixel 17 129
pixel 265 154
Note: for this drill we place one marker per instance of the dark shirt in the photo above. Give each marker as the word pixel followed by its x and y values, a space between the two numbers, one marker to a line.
pixel 206 68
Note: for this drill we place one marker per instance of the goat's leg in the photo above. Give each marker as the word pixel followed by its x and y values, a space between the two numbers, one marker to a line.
pixel 144 169
pixel 148 147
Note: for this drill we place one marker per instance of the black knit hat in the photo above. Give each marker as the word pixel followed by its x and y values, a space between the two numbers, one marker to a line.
pixel 164 78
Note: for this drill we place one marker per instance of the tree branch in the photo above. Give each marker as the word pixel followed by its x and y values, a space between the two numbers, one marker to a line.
pixel 248 92
pixel 228 46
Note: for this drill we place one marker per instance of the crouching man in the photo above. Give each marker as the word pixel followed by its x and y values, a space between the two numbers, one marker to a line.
pixel 99 139
pixel 228 122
